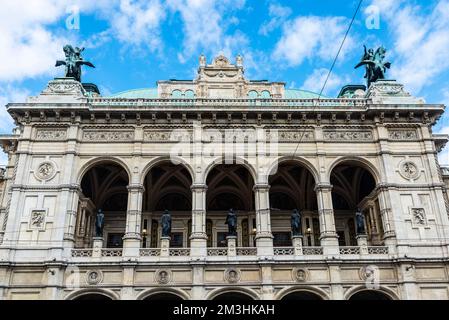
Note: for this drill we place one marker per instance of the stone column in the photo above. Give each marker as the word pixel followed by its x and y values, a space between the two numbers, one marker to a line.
pixel 264 237
pixel 328 234
pixel 198 237
pixel 132 238
pixel 386 214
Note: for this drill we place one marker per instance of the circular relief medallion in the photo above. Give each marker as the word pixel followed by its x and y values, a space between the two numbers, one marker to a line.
pixel 367 272
pixel 94 277
pixel 409 170
pixel 45 171
pixel 300 275
pixel 163 276
pixel 232 275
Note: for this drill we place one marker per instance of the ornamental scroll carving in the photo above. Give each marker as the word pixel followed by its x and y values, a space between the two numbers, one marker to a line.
pixel 64 87
pixel 403 134
pixel 290 136
pixel 348 135
pixel 51 134
pixel 167 135
pixel 111 136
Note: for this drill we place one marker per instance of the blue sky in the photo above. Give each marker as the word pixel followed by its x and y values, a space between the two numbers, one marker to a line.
pixel 135 43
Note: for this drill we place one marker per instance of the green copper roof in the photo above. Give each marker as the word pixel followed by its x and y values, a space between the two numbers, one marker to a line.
pixel 300 94
pixel 145 93
pixel 151 93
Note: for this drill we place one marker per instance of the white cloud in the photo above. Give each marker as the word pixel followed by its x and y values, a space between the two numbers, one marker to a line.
pixel 204 28
pixel 138 22
pixel 316 81
pixel 9 94
pixel 421 39
pixel 278 14
pixel 3 158
pixel 312 37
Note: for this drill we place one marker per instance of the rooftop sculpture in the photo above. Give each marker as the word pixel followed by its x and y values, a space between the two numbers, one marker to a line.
pixel 374 64
pixel 73 62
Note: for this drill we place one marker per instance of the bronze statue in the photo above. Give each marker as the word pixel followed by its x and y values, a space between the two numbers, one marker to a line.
pixel 360 221
pixel 231 221
pixel 166 223
pixel 296 223
pixel 73 62
pixel 374 64
pixel 99 223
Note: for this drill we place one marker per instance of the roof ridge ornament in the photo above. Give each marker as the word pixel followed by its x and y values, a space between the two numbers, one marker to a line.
pixel 374 64
pixel 73 62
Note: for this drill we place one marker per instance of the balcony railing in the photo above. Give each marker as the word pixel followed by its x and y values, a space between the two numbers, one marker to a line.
pixel 246 251
pixel 223 251
pixel 217 251
pixel 179 252
pixel 378 250
pixel 150 252
pixel 79 253
pixel 284 251
pixel 111 252
pixel 350 250
pixel 312 250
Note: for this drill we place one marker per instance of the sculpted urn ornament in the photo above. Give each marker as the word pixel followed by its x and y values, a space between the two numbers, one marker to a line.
pixel 73 62
pixel 374 64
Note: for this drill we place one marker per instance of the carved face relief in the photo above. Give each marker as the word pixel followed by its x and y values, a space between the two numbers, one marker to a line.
pixel 232 275
pixel 163 276
pixel 300 275
pixel 94 277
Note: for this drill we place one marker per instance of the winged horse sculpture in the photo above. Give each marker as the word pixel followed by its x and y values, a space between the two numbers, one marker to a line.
pixel 73 62
pixel 375 65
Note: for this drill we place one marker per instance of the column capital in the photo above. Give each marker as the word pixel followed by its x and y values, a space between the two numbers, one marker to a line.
pixel 198 186
pixel 136 187
pixel 323 187
pixel 261 186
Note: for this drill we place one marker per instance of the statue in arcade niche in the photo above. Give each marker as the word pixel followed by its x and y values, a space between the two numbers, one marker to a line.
pixel 99 223
pixel 231 221
pixel 374 65
pixel 166 223
pixel 360 221
pixel 296 223
pixel 73 62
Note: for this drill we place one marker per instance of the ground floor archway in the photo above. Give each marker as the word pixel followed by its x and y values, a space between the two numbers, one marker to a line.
pixel 370 295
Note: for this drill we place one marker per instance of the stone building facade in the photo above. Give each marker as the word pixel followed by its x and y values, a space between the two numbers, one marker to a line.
pixel 200 147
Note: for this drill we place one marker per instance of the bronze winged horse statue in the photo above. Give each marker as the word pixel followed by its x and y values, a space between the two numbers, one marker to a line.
pixel 73 62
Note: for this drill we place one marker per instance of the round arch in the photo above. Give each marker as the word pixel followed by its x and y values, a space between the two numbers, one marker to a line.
pixel 319 293
pixel 96 161
pixel 221 161
pixel 97 292
pixel 357 161
pixel 160 160
pixel 300 161
pixel 241 291
pixel 382 293
pixel 147 294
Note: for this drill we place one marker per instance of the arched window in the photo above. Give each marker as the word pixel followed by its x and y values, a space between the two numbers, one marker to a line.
pixel 265 94
pixel 176 94
pixel 253 94
pixel 189 94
